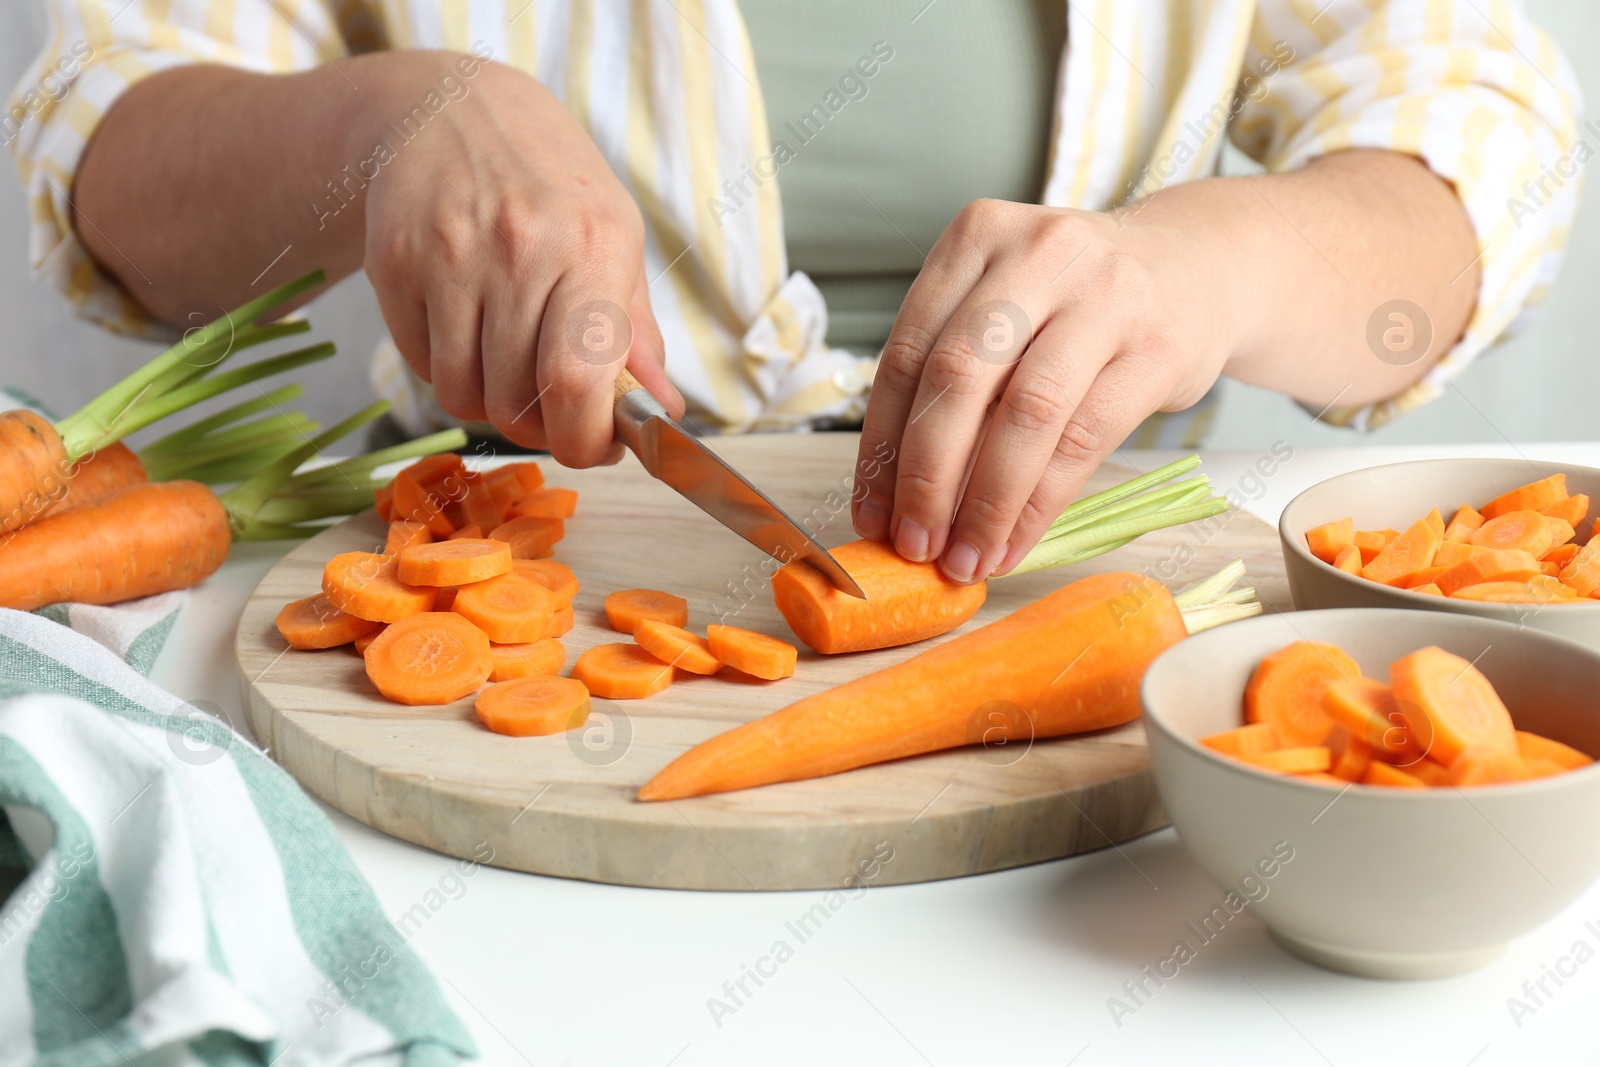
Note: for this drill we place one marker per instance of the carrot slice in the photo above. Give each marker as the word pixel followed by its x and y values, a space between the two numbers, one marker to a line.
pixel 1487 766
pixel 509 608
pixel 556 577
pixel 621 672
pixel 530 537
pixel 383 501
pixel 314 622
pixel 547 504
pixel 756 654
pixel 1561 555
pixel 1328 540
pixel 1371 542
pixel 546 656
pixel 1351 755
pixel 1429 589
pixel 1572 511
pixel 368 585
pixel 446 599
pixel 627 608
pixel 480 506
pixel 1367 710
pixel 412 501
pixel 1452 552
pixel 458 561
pixel 435 657
pixel 526 476
pixel 1449 706
pixel 1379 773
pixel 1408 553
pixel 403 533
pixel 1257 737
pixel 1464 524
pixel 1530 497
pixel 1349 559
pixel 1300 760
pixel 1287 686
pixel 1488 566
pixel 535 706
pixel 361 643
pixel 432 468
pixel 563 621
pixel 1538 747
pixel 1582 572
pixel 676 646
pixel 471 531
pixel 1528 531
pixel 1540 589
pixel 1425 576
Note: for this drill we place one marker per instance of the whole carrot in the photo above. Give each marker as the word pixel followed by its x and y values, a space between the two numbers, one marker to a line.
pixel 98 476
pixel 1068 662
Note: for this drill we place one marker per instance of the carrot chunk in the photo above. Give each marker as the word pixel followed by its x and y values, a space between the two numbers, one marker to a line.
pixel 621 672
pixel 1582 572
pixel 1291 760
pixel 1452 552
pixel 545 656
pixel 480 506
pixel 509 608
pixel 1530 497
pixel 530 537
pixel 534 706
pixel 368 585
pixel 1351 755
pixel 1286 690
pixel 1464 524
pixel 1487 766
pixel 1349 559
pixel 556 577
pixel 1328 540
pixel 1371 542
pixel 403 533
pixel 627 608
pixel 1408 553
pixel 1572 511
pixel 1489 566
pixel 471 531
pixel 412 501
pixel 1561 555
pixel 563 621
pixel 1540 589
pixel 1431 589
pixel 676 646
pixel 383 501
pixel 458 561
pixel 1527 531
pixel 1538 747
pixel 756 654
pixel 1423 577
pixel 1257 737
pixel 547 504
pixel 435 657
pixel 1379 773
pixel 1449 706
pixel 361 643
pixel 314 622
pixel 1367 709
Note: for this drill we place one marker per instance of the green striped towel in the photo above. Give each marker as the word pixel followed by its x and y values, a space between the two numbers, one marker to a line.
pixel 177 899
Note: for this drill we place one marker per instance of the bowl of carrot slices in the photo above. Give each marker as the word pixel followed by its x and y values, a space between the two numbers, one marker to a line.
pixel 1394 793
pixel 1471 536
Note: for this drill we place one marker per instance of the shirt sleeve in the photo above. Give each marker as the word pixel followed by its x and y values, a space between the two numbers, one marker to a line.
pixel 1474 90
pixel 96 51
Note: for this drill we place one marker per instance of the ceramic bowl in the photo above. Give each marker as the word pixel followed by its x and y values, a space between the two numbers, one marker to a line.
pixel 1397 495
pixel 1386 883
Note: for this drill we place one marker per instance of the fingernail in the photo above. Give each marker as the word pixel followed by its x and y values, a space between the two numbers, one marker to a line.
pixel 872 519
pixel 959 561
pixel 911 540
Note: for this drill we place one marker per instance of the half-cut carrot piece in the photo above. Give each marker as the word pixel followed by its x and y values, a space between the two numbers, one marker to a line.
pixel 509 608
pixel 627 608
pixel 1301 760
pixel 676 646
pixel 1328 540
pixel 314 622
pixel 556 577
pixel 1349 559
pixel 1371 542
pixel 1538 747
pixel 1489 566
pixel 360 644
pixel 621 672
pixel 1380 773
pixel 547 503
pixel 535 706
pixel 530 537
pixel 756 654
pixel 1527 531
pixel 458 561
pixel 1287 686
pixel 1530 497
pixel 1256 737
pixel 435 657
pixel 1408 553
pixel 1582 572
pixel 1457 707
pixel 368 585
pixel 1464 524
pixel 546 656
pixel 404 533
pixel 1572 511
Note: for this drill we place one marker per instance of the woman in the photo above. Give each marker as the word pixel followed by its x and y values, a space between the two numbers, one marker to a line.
pixel 1014 202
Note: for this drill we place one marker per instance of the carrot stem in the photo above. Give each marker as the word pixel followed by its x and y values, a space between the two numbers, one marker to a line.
pixel 1213 601
pixel 185 438
pixel 1087 542
pixel 261 440
pixel 203 362
pixel 443 441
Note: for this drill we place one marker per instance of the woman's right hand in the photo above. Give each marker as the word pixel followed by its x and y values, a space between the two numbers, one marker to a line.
pixel 507 258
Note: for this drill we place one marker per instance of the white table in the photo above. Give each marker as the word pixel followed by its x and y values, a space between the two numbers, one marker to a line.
pixel 1012 969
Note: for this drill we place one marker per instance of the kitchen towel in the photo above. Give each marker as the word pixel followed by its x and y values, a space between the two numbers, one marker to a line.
pixel 174 897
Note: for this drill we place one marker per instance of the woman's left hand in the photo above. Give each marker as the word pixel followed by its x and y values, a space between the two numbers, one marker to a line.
pixel 1033 342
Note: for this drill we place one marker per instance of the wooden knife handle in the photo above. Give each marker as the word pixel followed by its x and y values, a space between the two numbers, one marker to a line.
pixel 626 383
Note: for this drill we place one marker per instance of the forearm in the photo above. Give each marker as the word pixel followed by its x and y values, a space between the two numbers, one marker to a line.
pixel 199 178
pixel 1297 265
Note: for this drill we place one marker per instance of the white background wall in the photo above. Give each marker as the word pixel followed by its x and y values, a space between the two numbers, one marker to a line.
pixel 1541 385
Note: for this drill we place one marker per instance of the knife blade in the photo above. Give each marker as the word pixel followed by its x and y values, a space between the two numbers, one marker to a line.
pixel 674 456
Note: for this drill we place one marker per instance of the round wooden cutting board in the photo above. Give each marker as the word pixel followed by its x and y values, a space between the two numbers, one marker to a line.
pixel 564 805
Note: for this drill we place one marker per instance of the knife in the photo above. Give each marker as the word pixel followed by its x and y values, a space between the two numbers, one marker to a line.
pixel 673 456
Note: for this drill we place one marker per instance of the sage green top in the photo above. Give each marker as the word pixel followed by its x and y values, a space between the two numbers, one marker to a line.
pixel 958 106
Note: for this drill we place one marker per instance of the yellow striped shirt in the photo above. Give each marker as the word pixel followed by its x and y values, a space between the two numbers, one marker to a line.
pixel 669 91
